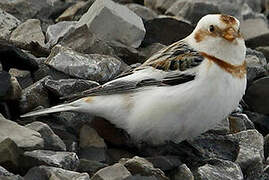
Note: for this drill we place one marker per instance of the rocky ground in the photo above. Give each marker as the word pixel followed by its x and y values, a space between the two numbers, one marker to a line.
pixel 54 48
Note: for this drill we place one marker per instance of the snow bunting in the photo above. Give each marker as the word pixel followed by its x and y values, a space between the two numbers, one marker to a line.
pixel 179 92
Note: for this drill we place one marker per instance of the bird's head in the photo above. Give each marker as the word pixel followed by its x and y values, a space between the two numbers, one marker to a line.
pixel 219 35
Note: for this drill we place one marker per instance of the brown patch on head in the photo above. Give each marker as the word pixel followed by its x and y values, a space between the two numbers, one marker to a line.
pixel 228 20
pixel 202 34
pixel 238 71
pixel 88 99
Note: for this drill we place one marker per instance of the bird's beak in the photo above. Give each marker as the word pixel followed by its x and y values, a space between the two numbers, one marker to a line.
pixel 230 34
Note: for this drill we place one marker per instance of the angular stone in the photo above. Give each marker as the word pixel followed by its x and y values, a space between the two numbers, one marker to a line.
pixel 256 93
pixel 53 173
pixel 90 138
pixel 249 27
pixel 255 5
pixel 222 128
pixel 121 24
pixel 141 166
pixel 4 172
pixel 240 122
pixel 25 138
pixel 57 31
pixel 93 154
pixel 65 160
pixel 258 41
pixel 218 169
pixel 5 84
pixel 100 68
pixel 115 172
pixel 165 163
pixel 65 87
pixel 12 177
pixel 33 96
pixel 183 172
pixel 256 65
pixel 266 146
pixel 9 155
pixel 251 154
pixel 265 52
pixel 27 32
pixel 142 11
pixel 15 91
pixel 115 154
pixel 7 24
pixel 51 140
pixel 165 30
pixel 90 167
pixel 23 77
pixel 260 121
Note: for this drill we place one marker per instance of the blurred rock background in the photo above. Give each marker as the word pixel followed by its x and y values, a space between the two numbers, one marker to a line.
pixel 53 48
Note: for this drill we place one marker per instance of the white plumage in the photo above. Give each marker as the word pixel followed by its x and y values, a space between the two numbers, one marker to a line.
pixel 180 92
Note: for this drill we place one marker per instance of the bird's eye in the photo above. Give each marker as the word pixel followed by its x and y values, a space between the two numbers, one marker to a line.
pixel 211 28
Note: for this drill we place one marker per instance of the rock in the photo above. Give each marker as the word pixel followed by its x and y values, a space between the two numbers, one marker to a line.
pixel 240 122
pixel 57 31
pixel 5 83
pixel 5 110
pixel 65 87
pixel 121 25
pixel 183 172
pixel 9 155
pixel 27 32
pixel 15 91
pixel 8 23
pixel 149 50
pixel 222 128
pixel 251 154
pixel 260 120
pixel 142 11
pixel 12 57
pixel 165 163
pixel 53 173
pixel 247 27
pixel 93 154
pixel 90 167
pixel 115 154
pixel 165 30
pixel 4 172
pixel 141 166
pixel 25 138
pixel 12 177
pixel 258 41
pixel 255 95
pixel 256 65
pixel 90 138
pixel 23 77
pixel 51 140
pixel 266 146
pixel 265 52
pixel 95 67
pixel 65 160
pixel 255 5
pixel 33 96
pixel 159 5
pixel 115 172
pixel 218 169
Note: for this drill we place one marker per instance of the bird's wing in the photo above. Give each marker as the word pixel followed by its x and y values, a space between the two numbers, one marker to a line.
pixel 171 66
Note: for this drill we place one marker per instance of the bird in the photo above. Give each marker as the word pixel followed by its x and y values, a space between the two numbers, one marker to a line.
pixel 178 93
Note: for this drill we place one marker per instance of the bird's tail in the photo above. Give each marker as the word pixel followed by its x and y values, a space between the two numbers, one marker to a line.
pixel 58 108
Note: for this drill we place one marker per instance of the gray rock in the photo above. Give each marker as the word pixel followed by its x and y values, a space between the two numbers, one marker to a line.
pixel 28 32
pixel 12 177
pixel 4 172
pixel 115 154
pixel 5 84
pixel 8 23
pixel 90 138
pixel 25 138
pixel 115 172
pixel 266 146
pixel 57 31
pixel 51 140
pixel 15 91
pixel 9 155
pixel 222 128
pixel 249 27
pixel 93 154
pixel 256 65
pixel 53 173
pixel 218 169
pixel 90 167
pixel 141 166
pixel 114 22
pixel 100 68
pixel 65 160
pixel 65 87
pixel 256 93
pixel 23 77
pixel 258 41
pixel 165 163
pixel 33 96
pixel 265 51
pixel 159 5
pixel 142 11
pixel 255 5
pixel 165 30
pixel 240 122
pixel 260 120
pixel 183 172
pixel 251 154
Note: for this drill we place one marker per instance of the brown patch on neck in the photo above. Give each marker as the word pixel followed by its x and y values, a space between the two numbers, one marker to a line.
pixel 238 71
pixel 229 20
